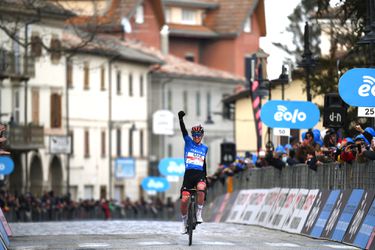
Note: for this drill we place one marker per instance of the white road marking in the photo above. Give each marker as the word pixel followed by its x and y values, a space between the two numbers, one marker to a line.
pixel 151 243
pixel 340 246
pixel 282 244
pixel 83 245
pixel 216 243
pixel 31 247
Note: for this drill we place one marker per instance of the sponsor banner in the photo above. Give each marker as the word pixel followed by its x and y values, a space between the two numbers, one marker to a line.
pixel 229 205
pixel 289 114
pixel 4 236
pixel 6 165
pixel 364 234
pixel 277 214
pixel 157 184
pixel 347 214
pixel 286 210
pixel 254 205
pixel 336 213
pixel 356 87
pixel 211 210
pixel 297 206
pixel 320 200
pixel 325 214
pixel 371 241
pixel 124 167
pixel 172 166
pixel 270 200
pixel 5 223
pixel 364 206
pixel 223 206
pixel 239 206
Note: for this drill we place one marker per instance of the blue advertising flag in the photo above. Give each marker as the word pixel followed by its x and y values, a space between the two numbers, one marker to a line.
pixel 6 165
pixel 158 184
pixel 172 166
pixel 290 114
pixel 357 87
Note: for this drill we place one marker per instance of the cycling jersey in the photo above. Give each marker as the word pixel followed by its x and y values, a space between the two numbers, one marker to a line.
pixel 195 154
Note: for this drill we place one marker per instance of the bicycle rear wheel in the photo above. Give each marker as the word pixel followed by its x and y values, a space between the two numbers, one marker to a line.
pixel 191 222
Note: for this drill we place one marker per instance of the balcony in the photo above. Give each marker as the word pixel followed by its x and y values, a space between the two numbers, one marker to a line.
pixel 25 138
pixel 17 67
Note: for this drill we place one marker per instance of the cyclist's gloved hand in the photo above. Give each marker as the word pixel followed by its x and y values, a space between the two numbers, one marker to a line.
pixel 181 114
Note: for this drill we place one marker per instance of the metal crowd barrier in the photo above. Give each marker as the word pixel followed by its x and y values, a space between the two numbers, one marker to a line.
pixel 327 176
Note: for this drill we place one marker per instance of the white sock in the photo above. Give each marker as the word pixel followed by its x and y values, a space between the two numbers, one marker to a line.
pixel 184 217
pixel 200 207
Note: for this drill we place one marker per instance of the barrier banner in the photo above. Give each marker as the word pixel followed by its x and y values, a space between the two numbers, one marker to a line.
pixel 363 236
pixel 317 208
pixel 4 237
pixel 286 208
pixel 224 207
pixel 254 205
pixel 296 208
pixel 239 205
pixel 371 241
pixel 270 200
pixel 321 222
pixel 347 214
pixel 5 223
pixel 364 206
pixel 210 213
pixel 277 206
pixel 336 213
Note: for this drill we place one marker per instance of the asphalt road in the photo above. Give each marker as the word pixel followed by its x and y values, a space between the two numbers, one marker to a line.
pixel 156 235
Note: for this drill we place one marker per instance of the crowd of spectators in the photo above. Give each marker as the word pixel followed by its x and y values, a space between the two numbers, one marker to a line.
pixel 314 149
pixel 50 207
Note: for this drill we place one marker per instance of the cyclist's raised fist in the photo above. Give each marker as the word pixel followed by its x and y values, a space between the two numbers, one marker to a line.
pixel 181 114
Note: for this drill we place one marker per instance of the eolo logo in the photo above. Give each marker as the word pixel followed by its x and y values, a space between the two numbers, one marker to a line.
pixel 289 114
pixel 284 114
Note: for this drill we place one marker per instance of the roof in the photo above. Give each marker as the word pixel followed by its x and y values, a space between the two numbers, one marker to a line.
pixel 110 46
pixel 191 30
pixel 223 17
pixel 35 8
pixel 237 96
pixel 175 66
pixel 207 4
pixel 117 11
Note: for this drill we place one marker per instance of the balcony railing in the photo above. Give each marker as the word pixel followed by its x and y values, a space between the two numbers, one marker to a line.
pixel 25 137
pixel 16 66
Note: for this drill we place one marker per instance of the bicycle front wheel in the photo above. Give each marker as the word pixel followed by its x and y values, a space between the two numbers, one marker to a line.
pixel 191 222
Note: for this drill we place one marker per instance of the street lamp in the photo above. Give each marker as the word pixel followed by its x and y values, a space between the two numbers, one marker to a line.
pixel 308 63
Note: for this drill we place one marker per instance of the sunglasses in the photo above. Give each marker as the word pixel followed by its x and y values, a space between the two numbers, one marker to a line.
pixel 196 134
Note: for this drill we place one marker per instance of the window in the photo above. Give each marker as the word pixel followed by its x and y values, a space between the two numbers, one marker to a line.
pixel 86 75
pixel 185 100
pixel 103 143
pixel 102 78
pixel 35 106
pixel 131 141
pixel 118 141
pixel 247 25
pixel 88 193
pixel 55 49
pixel 16 105
pixel 198 103
pixel 141 136
pixel 169 103
pixel 189 57
pixel 36 45
pixel 188 16
pixel 72 141
pixel 167 15
pixel 139 14
pixel 169 150
pixel 208 104
pixel 141 87
pixel 69 73
pixel 55 111
pixel 118 80
pixel 87 144
pixel 130 84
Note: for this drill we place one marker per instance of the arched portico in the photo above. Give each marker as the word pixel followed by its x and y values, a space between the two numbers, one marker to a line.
pixel 36 176
pixel 56 176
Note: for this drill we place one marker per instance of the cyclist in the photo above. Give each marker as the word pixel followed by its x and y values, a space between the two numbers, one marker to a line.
pixel 195 169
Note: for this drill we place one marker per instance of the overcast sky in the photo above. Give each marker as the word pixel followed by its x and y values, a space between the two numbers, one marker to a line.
pixel 277 13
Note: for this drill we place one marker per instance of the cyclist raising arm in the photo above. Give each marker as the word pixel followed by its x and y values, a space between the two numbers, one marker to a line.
pixel 195 154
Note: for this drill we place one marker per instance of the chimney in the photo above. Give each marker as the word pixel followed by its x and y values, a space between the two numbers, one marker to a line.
pixel 164 33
